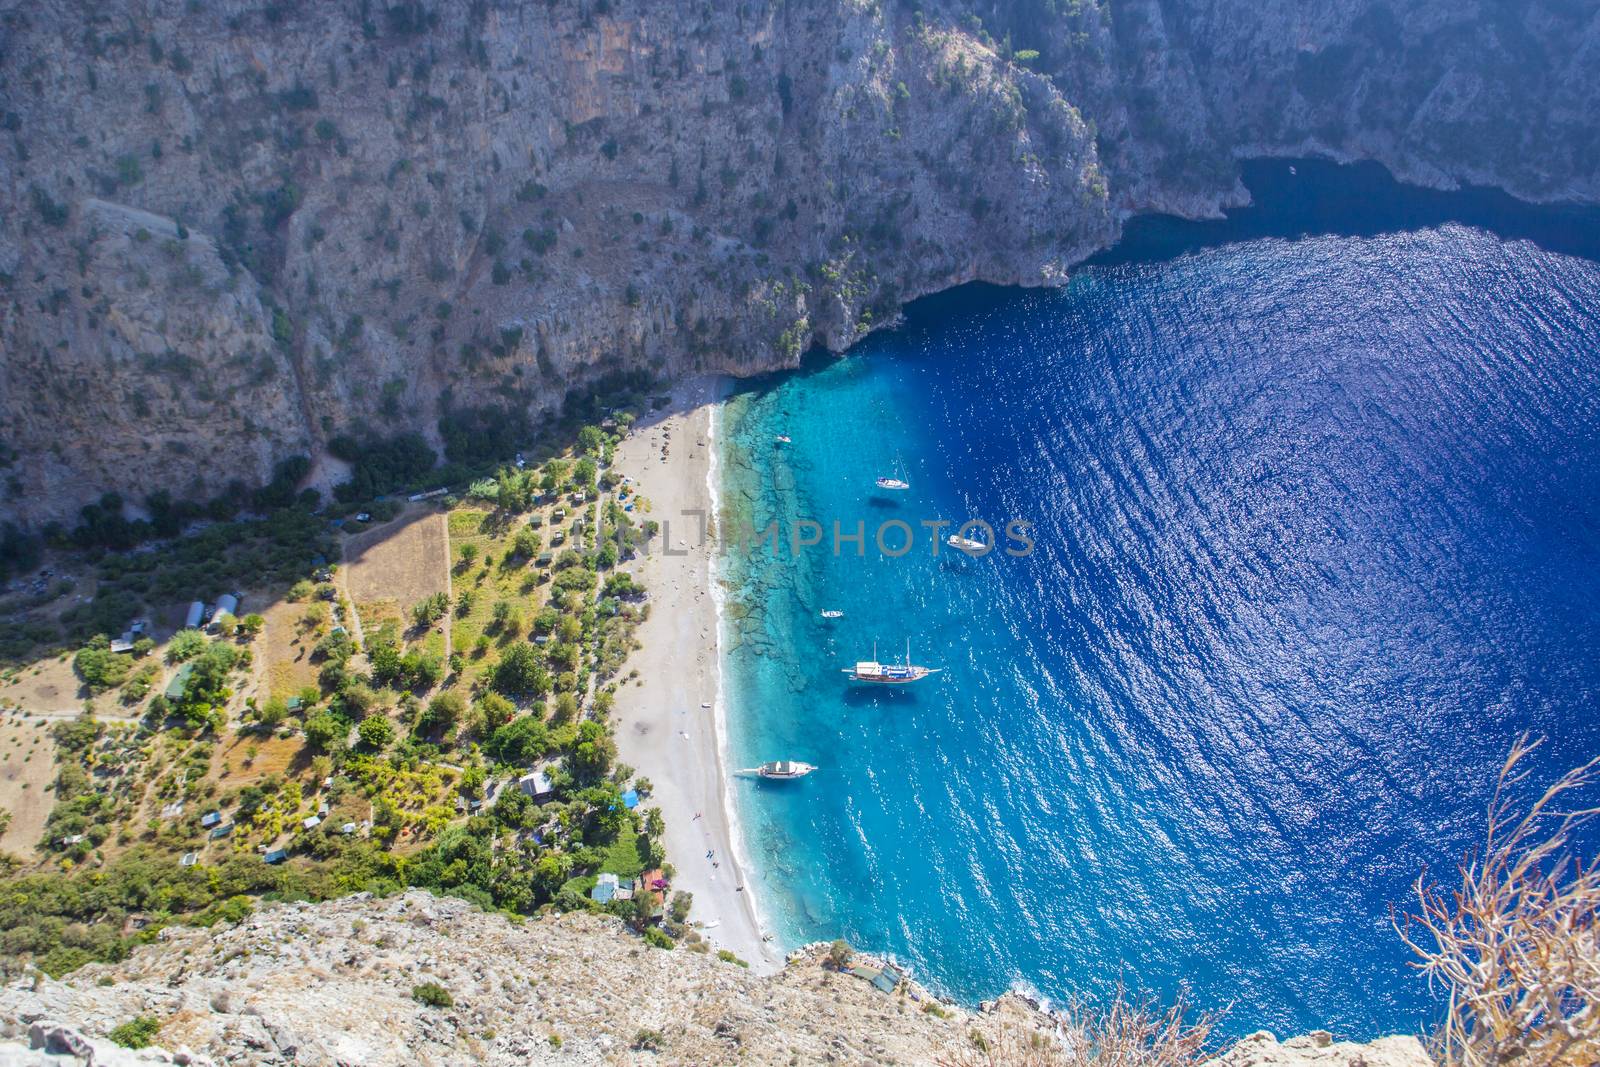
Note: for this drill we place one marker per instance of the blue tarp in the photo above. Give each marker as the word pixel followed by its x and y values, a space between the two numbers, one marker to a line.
pixel 631 798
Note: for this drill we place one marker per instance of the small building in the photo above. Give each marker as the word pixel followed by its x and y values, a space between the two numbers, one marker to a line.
pixel 197 613
pixel 545 559
pixel 179 682
pixel 537 786
pixel 222 831
pixel 189 859
pixel 311 822
pixel 277 855
pixel 653 883
pixel 72 839
pixel 227 604
pixel 123 643
pixel 348 828
pixel 605 889
pixel 322 809
pixel 210 819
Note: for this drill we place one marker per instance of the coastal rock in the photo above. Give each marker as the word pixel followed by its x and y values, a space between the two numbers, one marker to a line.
pixel 238 230
pixel 1319 1049
pixel 331 983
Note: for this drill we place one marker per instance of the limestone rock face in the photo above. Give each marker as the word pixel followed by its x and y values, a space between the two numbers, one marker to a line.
pixel 234 230
pixel 1319 1049
pixel 332 984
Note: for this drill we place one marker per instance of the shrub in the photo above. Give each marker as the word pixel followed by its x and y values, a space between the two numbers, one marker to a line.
pixel 839 954
pixel 657 938
pixel 137 1033
pixel 432 994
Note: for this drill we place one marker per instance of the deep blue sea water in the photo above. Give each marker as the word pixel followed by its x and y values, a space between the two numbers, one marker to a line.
pixel 1317 526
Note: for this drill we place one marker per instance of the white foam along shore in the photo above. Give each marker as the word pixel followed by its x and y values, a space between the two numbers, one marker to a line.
pixel 671 726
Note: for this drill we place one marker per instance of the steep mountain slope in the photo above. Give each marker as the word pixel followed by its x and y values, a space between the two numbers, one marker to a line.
pixel 236 230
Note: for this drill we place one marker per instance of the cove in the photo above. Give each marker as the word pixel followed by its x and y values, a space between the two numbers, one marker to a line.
pixel 1315 493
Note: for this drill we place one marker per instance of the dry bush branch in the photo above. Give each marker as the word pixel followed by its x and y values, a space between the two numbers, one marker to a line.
pixel 1123 1033
pixel 1516 943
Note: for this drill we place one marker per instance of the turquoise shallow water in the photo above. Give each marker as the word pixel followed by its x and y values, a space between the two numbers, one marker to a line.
pixel 1318 532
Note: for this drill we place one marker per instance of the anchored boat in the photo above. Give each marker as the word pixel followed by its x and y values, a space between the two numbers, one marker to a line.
pixel 780 770
pixel 966 544
pixel 832 614
pixel 902 673
pixel 897 482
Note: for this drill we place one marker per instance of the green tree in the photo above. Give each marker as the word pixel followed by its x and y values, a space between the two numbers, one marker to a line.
pixel 593 753
pixel 496 711
pixel 376 732
pixel 324 730
pixel 520 674
pixel 99 667
pixel 520 741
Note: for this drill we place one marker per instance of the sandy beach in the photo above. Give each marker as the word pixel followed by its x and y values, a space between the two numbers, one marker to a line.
pixel 667 727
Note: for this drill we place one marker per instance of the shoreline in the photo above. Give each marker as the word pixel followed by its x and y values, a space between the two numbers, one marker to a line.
pixel 670 721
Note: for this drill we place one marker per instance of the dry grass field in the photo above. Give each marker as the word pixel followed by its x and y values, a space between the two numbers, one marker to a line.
pixel 27 768
pixel 285 650
pixel 47 687
pixel 404 561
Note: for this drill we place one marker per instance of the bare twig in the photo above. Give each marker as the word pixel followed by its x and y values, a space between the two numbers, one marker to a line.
pixel 1516 944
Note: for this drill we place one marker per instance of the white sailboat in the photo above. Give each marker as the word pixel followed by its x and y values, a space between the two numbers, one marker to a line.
pixel 782 770
pixel 903 673
pixel 898 484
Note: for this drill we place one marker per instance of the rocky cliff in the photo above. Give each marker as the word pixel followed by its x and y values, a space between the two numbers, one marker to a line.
pixel 333 983
pixel 233 230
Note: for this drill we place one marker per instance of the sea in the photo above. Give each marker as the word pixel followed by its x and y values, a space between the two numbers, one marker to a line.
pixel 1297 528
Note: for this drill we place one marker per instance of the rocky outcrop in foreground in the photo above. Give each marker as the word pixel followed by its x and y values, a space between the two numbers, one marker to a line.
pixel 332 984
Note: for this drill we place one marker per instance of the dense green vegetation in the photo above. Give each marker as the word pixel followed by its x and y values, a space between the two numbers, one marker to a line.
pixel 427 751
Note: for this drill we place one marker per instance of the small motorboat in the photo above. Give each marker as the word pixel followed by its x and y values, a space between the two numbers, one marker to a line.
pixel 832 614
pixel 780 770
pixel 898 484
pixel 966 544
pixel 783 439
